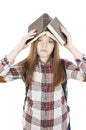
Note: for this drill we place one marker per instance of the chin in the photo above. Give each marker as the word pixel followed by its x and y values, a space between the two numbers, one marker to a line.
pixel 44 56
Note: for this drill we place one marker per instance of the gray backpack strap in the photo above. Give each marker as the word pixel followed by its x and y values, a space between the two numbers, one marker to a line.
pixel 64 85
pixel 25 97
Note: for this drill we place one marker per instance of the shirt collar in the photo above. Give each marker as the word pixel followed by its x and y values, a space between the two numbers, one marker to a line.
pixel 49 62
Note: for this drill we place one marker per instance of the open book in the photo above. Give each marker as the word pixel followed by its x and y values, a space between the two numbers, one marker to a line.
pixel 40 25
pixel 46 23
pixel 54 28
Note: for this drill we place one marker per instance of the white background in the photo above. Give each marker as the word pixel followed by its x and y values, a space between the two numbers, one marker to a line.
pixel 15 16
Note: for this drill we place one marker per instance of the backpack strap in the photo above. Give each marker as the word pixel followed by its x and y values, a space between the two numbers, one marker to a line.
pixel 64 85
pixel 26 90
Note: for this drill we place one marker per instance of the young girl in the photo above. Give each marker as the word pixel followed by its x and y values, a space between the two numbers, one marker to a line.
pixel 43 74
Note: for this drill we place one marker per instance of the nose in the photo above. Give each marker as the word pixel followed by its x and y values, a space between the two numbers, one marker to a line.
pixel 44 44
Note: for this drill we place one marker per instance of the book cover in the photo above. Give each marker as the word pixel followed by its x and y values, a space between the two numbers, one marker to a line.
pixel 54 28
pixel 41 26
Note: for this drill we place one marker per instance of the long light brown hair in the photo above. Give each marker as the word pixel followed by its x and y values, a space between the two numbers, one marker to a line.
pixel 30 62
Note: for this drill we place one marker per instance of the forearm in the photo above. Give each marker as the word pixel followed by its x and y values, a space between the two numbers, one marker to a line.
pixel 12 55
pixel 75 52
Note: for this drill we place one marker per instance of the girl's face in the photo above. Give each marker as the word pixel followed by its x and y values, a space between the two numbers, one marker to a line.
pixel 45 47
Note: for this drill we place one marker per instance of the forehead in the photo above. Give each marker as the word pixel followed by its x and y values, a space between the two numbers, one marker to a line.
pixel 45 36
pixel 48 35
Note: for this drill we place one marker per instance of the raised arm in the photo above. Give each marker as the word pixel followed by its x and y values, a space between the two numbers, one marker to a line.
pixel 70 46
pixel 79 57
pixel 20 46
pixel 8 71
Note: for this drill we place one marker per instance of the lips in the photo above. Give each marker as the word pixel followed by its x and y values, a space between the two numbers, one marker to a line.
pixel 44 50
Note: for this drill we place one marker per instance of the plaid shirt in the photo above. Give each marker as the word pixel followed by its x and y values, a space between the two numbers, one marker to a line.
pixel 45 108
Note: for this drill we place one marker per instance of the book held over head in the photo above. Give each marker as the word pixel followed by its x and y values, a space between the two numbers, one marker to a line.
pixel 54 28
pixel 46 25
pixel 40 25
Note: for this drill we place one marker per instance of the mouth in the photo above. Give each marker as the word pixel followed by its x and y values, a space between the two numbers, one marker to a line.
pixel 44 50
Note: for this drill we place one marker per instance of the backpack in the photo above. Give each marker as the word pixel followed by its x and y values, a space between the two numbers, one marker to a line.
pixel 64 86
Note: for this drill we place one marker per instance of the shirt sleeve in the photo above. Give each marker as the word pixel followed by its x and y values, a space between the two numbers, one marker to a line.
pixel 76 71
pixel 9 72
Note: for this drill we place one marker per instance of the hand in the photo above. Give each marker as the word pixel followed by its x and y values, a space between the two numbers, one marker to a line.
pixel 68 36
pixel 70 46
pixel 23 42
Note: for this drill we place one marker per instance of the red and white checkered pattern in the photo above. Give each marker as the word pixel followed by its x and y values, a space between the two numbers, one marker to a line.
pixel 45 108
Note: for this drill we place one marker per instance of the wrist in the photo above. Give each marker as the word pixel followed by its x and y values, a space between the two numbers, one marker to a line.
pixel 69 46
pixel 18 48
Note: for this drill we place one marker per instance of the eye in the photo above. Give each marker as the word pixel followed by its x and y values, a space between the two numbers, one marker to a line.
pixel 39 40
pixel 50 41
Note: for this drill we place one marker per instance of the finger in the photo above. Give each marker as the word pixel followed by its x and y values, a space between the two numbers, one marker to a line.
pixel 63 29
pixel 65 32
pixel 33 30
pixel 29 39
pixel 31 34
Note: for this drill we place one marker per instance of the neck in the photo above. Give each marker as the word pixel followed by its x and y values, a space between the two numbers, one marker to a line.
pixel 44 60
